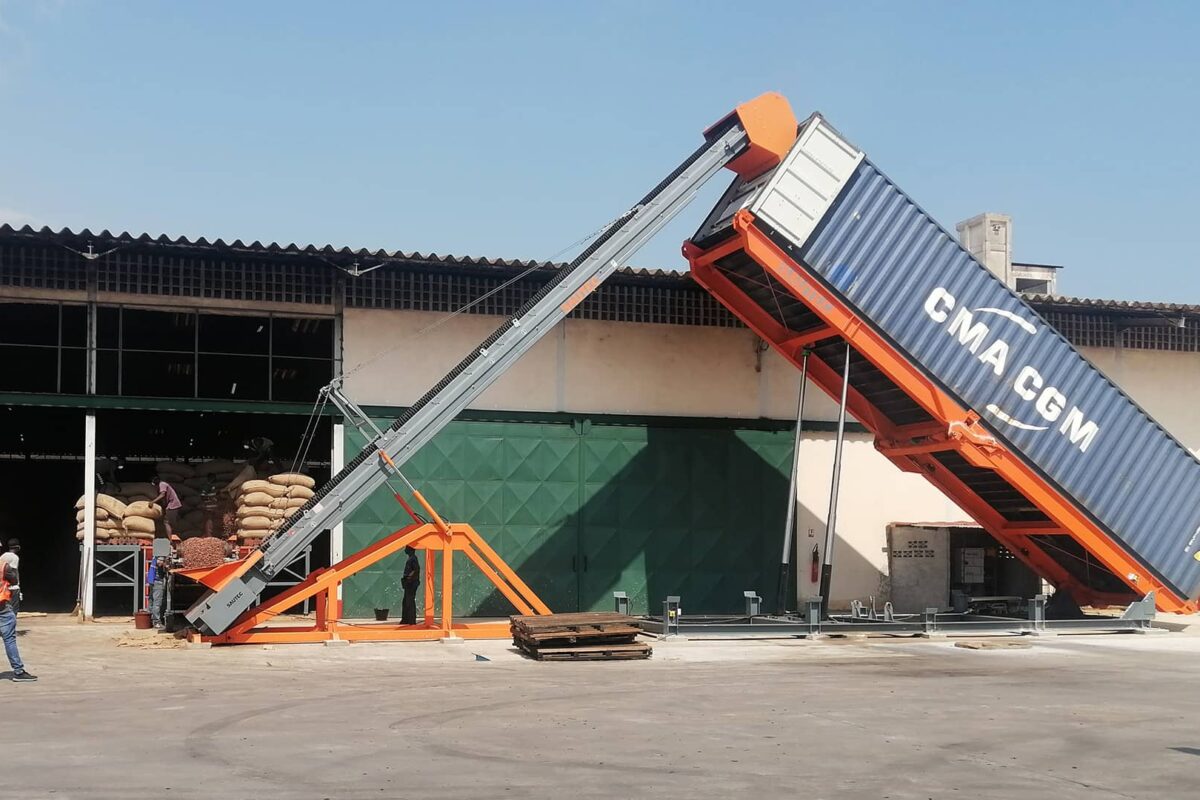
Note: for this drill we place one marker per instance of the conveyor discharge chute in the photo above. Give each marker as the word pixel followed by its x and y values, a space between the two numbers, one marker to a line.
pixel 748 141
pixel 956 376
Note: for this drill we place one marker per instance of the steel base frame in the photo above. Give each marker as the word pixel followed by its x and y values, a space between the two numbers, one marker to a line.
pixel 440 538
pixel 1139 616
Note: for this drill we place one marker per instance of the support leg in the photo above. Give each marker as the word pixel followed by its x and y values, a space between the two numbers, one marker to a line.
pixel 430 577
pixel 783 599
pixel 506 590
pixel 495 560
pixel 447 591
pixel 835 483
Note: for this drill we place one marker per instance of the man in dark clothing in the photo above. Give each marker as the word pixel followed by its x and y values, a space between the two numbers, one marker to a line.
pixel 8 624
pixel 410 581
pixel 262 452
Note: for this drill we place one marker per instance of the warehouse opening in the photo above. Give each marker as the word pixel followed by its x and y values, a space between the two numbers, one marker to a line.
pixel 185 387
pixel 41 481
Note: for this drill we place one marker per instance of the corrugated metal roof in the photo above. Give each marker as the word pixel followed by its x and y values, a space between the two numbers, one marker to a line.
pixel 345 256
pixel 1054 300
pixel 339 256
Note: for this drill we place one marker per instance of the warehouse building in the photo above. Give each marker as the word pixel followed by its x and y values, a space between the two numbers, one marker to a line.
pixel 644 446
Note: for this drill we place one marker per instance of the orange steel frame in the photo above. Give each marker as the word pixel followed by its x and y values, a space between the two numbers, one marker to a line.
pixel 323 584
pixel 910 447
pixel 770 127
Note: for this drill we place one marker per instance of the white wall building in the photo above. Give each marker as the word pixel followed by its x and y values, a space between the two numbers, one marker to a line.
pixel 672 482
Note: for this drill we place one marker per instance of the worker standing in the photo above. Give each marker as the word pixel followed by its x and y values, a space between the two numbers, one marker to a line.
pixel 409 581
pixel 12 557
pixel 156 578
pixel 170 502
pixel 9 577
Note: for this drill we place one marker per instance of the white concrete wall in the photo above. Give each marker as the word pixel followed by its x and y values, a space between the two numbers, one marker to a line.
pixel 1164 383
pixel 583 366
pixel 389 361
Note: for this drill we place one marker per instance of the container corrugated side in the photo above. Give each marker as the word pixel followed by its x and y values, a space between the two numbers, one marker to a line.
pixel 913 282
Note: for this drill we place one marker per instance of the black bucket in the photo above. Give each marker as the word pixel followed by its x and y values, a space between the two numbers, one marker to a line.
pixel 381 614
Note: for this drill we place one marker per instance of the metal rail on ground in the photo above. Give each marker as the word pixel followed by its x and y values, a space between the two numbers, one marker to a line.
pixel 1137 617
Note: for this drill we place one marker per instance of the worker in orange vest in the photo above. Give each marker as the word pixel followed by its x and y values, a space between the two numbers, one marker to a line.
pixel 8 623
pixel 12 557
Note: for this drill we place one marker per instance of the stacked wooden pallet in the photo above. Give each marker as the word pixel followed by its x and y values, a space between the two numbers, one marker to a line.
pixel 595 636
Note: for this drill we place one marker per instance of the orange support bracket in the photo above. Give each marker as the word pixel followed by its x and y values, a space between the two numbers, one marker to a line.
pixel 893 448
pixel 442 538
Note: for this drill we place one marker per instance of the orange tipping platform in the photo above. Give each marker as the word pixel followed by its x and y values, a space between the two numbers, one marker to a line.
pixel 761 284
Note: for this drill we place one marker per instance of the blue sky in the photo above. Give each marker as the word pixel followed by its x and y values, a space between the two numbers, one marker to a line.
pixel 512 129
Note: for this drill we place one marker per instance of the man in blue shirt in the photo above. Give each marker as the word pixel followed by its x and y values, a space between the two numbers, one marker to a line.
pixel 156 578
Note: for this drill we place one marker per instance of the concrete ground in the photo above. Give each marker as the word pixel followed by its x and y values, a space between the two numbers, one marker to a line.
pixel 1069 717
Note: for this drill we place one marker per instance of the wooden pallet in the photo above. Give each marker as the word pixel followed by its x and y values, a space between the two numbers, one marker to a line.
pixel 614 631
pixel 607 652
pixel 544 622
pixel 588 636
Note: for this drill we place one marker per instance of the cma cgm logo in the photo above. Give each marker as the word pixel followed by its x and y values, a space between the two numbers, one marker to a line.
pixel 1028 385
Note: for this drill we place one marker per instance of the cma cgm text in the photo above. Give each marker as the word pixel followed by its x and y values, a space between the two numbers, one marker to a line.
pixel 1029 385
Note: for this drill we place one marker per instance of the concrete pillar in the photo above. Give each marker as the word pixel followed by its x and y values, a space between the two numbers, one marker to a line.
pixel 988 237
pixel 87 561
pixel 87 556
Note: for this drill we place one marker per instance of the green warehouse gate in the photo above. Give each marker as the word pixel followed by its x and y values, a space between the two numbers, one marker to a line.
pixel 582 508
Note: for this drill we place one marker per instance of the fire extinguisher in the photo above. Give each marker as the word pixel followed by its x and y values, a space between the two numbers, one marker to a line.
pixel 814 566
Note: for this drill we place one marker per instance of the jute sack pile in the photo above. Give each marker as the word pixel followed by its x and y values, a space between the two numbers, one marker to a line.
pixel 109 513
pixel 141 519
pixel 264 505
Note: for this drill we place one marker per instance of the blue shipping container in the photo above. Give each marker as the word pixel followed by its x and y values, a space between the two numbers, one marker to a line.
pixel 912 280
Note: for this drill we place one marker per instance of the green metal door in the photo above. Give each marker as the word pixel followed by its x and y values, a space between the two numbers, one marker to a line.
pixel 696 512
pixel 580 510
